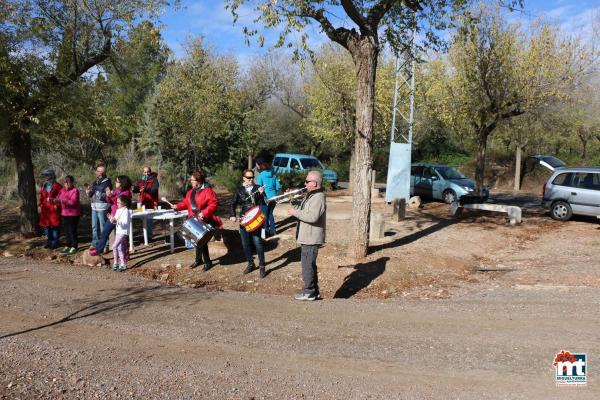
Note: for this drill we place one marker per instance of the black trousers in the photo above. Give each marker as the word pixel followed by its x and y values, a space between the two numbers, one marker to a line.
pixel 70 227
pixel 202 253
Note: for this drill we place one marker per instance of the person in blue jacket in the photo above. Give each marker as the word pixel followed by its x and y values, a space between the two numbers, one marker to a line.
pixel 272 185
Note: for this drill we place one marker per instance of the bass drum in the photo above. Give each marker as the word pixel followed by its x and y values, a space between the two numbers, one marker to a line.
pixel 196 231
pixel 253 219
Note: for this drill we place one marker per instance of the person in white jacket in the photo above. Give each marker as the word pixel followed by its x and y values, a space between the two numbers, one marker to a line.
pixel 122 219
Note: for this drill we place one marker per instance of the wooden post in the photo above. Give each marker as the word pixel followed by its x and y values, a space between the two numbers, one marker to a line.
pixel 399 212
pixel 374 191
pixel 377 226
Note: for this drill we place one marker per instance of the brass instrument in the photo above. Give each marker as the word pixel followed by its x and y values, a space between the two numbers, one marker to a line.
pixel 288 196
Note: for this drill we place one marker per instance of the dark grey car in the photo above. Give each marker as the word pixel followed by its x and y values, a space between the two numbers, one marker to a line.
pixel 572 190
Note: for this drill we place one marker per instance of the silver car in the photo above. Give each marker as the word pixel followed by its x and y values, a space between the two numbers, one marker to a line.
pixel 571 190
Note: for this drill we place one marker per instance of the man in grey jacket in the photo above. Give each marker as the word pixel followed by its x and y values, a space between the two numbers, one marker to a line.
pixel 310 233
pixel 97 194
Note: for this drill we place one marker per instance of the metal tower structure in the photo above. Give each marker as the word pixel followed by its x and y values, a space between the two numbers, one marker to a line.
pixel 398 177
pixel 405 76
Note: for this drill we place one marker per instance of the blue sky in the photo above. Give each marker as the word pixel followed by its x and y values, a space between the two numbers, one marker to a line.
pixel 209 18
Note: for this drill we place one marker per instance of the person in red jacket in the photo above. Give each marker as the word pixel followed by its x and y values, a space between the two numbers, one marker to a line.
pixel 49 210
pixel 147 187
pixel 201 202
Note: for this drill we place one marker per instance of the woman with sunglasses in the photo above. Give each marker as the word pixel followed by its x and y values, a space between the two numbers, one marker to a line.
pixel 247 196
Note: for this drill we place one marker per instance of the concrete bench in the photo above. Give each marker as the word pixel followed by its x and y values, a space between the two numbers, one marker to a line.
pixel 514 212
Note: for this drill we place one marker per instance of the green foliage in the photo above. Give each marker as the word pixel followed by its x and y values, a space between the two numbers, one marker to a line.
pixel 190 119
pixel 295 180
pixel 341 165
pixel 331 93
pixel 292 179
pixel 226 177
pixel 394 20
pixel 452 159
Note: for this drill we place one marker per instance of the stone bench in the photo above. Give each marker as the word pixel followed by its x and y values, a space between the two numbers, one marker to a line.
pixel 514 212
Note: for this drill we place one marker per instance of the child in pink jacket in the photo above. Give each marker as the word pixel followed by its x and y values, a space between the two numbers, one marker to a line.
pixel 70 212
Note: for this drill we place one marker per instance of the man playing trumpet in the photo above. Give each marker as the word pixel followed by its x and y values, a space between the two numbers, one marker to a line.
pixel 310 233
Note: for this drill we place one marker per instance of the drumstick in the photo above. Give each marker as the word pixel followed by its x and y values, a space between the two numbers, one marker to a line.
pixel 167 201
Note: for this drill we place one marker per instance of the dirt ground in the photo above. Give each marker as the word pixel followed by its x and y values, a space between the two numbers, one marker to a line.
pixel 442 308
pixel 424 256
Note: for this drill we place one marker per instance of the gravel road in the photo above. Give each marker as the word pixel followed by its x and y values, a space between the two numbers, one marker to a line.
pixel 74 332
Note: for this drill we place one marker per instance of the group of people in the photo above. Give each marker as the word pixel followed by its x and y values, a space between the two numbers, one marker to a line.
pixel 59 205
pixel 110 211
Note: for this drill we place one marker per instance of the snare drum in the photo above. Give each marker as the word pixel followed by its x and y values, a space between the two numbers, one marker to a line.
pixel 253 219
pixel 196 231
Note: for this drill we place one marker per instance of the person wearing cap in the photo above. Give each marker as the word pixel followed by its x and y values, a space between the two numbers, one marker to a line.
pixel 268 180
pixel 97 193
pixel 49 209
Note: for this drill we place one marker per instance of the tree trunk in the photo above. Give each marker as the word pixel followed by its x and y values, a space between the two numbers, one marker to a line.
pixel 584 143
pixel 250 157
pixel 21 148
pixel 365 60
pixel 351 171
pixel 480 166
pixel 518 165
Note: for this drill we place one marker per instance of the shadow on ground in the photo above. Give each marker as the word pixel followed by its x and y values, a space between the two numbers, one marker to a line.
pixel 361 277
pixel 125 299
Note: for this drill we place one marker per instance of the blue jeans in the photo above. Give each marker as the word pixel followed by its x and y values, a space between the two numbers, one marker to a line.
pixel 53 235
pixel 269 217
pixel 249 239
pixel 98 221
pixel 106 230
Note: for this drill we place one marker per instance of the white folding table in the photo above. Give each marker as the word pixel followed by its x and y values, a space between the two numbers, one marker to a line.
pixel 144 216
pixel 172 216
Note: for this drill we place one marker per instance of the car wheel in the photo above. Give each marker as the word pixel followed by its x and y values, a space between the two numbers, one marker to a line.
pixel 449 196
pixel 561 211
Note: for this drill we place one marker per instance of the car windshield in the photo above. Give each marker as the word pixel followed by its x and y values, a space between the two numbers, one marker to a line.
pixel 310 163
pixel 449 173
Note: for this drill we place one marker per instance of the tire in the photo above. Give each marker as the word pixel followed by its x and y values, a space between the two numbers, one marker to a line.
pixel 449 196
pixel 561 211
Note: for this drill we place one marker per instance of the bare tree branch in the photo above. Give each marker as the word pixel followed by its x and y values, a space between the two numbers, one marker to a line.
pixel 383 6
pixel 341 36
pixel 354 14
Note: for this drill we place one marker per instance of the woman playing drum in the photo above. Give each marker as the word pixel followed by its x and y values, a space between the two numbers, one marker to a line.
pixel 249 197
pixel 201 202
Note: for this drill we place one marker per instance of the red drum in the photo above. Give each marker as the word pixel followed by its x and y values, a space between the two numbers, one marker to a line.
pixel 253 219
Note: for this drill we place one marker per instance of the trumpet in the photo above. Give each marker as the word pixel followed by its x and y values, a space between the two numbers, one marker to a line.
pixel 288 196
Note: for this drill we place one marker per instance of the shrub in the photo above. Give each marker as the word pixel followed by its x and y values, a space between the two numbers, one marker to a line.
pixel 226 177
pixel 342 167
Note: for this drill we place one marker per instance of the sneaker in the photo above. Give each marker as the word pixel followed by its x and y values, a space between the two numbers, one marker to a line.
pixel 65 250
pixel 123 267
pixel 72 251
pixel 115 267
pixel 305 297
pixel 249 269
pixel 92 252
